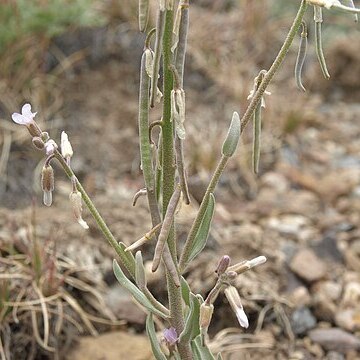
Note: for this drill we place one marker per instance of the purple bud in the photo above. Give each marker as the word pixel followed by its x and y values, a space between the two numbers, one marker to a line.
pixel 170 336
pixel 223 265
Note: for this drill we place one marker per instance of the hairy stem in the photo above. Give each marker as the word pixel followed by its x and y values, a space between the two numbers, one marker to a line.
pixel 168 182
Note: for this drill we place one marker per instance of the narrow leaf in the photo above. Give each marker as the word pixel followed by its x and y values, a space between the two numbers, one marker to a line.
pixel 135 292
pixel 185 291
pixel 203 232
pixel 201 352
pixel 155 346
pixel 232 137
pixel 192 327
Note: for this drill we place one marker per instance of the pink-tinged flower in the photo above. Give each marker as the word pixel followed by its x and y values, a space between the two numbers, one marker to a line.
pixel 27 118
pixel 170 336
pixel 50 147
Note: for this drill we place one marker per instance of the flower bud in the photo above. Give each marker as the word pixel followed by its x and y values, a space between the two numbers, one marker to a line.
pixel 47 184
pixel 223 264
pixel 232 137
pixel 66 148
pixel 75 199
pixel 50 147
pixel 38 143
pixel 206 312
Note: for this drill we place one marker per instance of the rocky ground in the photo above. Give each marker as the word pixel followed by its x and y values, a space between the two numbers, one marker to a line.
pixel 301 211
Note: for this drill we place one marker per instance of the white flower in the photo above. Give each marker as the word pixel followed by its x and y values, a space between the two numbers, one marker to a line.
pixel 75 199
pixel 241 316
pixel 26 117
pixel 235 302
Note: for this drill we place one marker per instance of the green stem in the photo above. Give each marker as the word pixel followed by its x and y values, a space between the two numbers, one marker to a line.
pixel 168 182
pixel 196 224
pixel 124 257
pixel 275 66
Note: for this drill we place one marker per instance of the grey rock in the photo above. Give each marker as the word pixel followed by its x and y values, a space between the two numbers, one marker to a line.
pixel 335 339
pixel 302 320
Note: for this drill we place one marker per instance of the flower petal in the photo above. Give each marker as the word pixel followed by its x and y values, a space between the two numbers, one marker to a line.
pixel 20 119
pixel 26 111
pixel 243 320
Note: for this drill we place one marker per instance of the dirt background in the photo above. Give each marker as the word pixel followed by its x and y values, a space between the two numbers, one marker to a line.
pixel 301 211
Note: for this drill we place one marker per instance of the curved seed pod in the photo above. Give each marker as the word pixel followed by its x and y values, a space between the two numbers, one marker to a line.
pixel 160 25
pixel 318 42
pixel 166 227
pixel 301 57
pixel 182 40
pixel 257 138
pixel 232 137
pixel 143 14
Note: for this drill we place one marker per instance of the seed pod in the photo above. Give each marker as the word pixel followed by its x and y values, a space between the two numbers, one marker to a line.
pixel 350 4
pixel 47 184
pixel 256 138
pixel 232 137
pixel 318 19
pixel 301 57
pixel 166 227
pixel 160 25
pixel 144 8
pixel 182 40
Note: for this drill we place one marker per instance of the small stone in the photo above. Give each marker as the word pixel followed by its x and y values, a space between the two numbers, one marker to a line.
pixel 122 304
pixel 335 339
pixel 351 295
pixel 300 296
pixel 348 319
pixel 330 290
pixel 302 320
pixel 333 355
pixel 308 266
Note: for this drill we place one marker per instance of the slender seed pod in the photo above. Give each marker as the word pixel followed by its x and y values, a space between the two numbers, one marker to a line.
pixel 182 41
pixel 144 8
pixel 257 138
pixel 318 19
pixel 145 149
pixel 181 169
pixel 166 227
pixel 301 57
pixel 160 25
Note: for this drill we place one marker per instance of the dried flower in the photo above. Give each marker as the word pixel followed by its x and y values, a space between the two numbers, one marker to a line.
pixel 66 148
pixel 235 302
pixel 47 183
pixel 75 199
pixel 27 118
pixel 178 111
pixel 206 312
